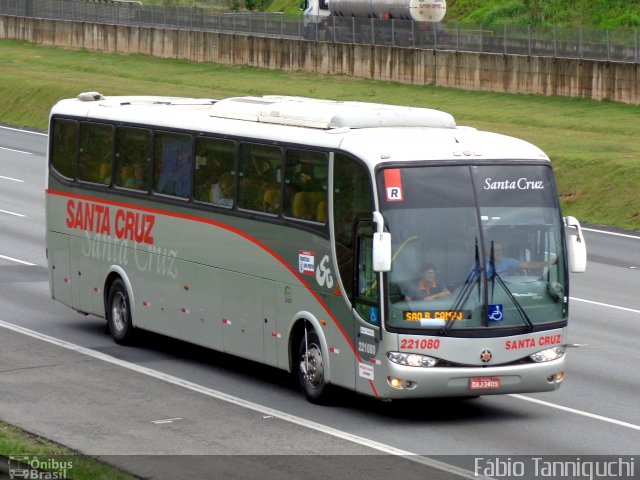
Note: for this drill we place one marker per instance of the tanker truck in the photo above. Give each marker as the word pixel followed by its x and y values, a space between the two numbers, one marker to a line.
pixel 371 21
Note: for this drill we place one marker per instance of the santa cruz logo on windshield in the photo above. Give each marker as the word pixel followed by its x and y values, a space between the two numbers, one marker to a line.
pixel 521 184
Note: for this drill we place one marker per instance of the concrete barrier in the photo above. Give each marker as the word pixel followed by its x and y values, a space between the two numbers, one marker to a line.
pixel 598 80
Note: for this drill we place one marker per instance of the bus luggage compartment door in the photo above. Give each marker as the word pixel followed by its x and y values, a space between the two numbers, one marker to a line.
pixel 83 268
pixel 243 324
pixel 60 277
pixel 270 326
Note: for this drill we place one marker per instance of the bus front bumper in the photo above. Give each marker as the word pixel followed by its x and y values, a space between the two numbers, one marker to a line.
pixel 418 382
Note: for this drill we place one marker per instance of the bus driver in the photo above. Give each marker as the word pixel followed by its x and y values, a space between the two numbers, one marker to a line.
pixel 427 288
pixel 509 266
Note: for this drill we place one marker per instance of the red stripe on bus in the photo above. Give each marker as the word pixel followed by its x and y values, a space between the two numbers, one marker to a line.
pixel 373 387
pixel 229 228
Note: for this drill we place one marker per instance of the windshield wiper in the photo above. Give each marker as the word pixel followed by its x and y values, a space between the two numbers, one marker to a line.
pixel 465 292
pixel 494 277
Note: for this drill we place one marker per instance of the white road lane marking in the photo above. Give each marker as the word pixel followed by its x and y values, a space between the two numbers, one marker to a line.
pixel 11 178
pixel 636 237
pixel 632 310
pixel 381 447
pixel 12 213
pixel 577 412
pixel 14 150
pixel 2 127
pixel 11 259
pixel 166 420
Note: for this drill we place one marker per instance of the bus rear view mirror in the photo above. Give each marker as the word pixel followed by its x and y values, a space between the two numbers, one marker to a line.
pixel 381 245
pixel 381 251
pixel 576 246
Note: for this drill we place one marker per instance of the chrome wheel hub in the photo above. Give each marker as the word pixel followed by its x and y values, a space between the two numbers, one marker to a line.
pixel 312 367
pixel 119 311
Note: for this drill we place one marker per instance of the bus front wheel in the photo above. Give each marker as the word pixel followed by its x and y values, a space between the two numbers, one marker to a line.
pixel 119 313
pixel 311 368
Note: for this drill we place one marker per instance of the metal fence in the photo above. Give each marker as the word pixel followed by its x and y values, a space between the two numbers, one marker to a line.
pixel 593 44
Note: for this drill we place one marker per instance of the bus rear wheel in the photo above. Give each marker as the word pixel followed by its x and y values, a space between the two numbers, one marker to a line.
pixel 119 313
pixel 311 369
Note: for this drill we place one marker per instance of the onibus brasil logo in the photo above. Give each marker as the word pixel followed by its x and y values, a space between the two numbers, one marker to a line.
pixel 38 468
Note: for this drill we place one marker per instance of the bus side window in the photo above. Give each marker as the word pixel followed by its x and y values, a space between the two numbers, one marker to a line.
pixel 133 158
pixel 352 200
pixel 305 192
pixel 65 141
pixel 96 147
pixel 215 171
pixel 260 175
pixel 172 159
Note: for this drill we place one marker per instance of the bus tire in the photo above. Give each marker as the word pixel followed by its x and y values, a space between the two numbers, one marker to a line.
pixel 311 369
pixel 119 313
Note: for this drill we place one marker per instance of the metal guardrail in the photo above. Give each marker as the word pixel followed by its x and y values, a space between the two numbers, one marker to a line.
pixel 581 43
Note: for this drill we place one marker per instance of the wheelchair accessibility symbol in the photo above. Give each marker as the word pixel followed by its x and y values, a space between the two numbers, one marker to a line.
pixel 494 313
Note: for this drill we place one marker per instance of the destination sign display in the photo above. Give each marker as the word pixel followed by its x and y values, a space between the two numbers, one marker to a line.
pixel 417 316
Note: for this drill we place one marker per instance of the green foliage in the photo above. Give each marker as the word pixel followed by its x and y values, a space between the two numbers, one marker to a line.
pixel 14 441
pixel 507 12
pixel 285 6
pixel 626 20
pixel 611 14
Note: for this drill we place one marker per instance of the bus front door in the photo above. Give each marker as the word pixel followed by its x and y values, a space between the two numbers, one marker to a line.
pixel 366 310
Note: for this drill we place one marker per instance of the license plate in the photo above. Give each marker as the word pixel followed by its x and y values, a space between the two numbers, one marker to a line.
pixel 484 383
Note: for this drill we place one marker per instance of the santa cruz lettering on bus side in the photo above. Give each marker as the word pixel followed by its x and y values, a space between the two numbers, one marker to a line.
pixel 135 226
pixel 160 260
pixel 96 218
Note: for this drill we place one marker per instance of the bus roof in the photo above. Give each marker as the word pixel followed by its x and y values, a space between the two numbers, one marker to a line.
pixel 375 133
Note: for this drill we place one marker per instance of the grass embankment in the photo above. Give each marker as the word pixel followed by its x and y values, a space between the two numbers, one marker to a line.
pixel 612 14
pixel 17 443
pixel 594 146
pixel 606 14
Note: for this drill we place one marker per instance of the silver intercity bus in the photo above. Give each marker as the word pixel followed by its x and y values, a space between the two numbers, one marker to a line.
pixel 373 247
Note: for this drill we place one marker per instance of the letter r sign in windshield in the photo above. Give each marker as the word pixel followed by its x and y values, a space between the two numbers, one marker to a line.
pixel 393 185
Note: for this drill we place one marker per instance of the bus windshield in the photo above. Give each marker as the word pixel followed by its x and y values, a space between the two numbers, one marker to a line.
pixel 474 247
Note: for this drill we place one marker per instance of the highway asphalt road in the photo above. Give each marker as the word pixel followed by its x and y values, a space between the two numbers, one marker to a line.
pixel 62 377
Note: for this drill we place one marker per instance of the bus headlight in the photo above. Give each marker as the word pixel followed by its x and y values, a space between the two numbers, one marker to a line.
pixel 412 359
pixel 548 355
